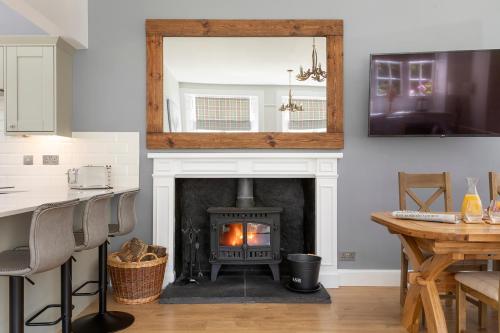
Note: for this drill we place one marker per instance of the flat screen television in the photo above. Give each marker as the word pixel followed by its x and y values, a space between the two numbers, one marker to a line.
pixel 454 93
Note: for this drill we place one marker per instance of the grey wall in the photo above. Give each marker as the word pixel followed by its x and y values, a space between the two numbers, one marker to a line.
pixel 110 94
pixel 12 23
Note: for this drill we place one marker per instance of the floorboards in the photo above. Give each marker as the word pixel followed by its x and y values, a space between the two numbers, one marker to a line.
pixel 354 309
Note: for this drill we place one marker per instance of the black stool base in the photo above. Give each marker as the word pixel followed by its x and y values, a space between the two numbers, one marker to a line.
pixel 111 321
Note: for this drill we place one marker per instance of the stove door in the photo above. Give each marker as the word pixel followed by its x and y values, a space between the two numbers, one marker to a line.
pixel 258 236
pixel 231 238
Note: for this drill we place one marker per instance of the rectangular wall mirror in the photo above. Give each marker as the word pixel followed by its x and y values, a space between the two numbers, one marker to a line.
pixel 244 84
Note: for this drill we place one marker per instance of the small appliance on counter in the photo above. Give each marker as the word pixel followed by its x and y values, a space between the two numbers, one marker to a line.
pixel 90 177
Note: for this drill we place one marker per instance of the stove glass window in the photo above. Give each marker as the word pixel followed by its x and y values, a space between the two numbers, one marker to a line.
pixel 258 234
pixel 231 234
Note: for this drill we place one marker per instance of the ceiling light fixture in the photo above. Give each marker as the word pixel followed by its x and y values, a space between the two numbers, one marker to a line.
pixel 315 72
pixel 291 106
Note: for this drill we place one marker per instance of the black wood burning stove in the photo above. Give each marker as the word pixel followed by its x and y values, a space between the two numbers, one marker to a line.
pixel 245 236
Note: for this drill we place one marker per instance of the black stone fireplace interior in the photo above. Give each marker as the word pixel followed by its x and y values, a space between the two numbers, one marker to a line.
pixel 194 196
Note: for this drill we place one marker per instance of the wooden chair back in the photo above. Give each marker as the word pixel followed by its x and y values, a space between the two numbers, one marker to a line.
pixel 494 185
pixel 440 181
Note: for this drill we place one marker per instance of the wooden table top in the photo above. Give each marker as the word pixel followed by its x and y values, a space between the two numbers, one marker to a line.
pixel 482 232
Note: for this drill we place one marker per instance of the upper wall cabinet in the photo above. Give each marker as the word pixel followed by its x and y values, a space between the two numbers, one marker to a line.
pixel 38 76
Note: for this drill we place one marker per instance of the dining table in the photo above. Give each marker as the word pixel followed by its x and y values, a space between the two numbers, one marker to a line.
pixel 431 247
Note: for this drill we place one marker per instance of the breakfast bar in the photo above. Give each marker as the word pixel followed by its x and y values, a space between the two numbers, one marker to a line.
pixel 18 200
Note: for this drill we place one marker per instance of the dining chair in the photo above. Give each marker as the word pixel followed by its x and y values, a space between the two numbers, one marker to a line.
pixel 441 182
pixel 484 286
pixel 494 193
pixel 494 184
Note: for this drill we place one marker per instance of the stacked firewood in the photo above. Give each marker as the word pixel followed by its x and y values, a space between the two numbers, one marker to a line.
pixel 136 250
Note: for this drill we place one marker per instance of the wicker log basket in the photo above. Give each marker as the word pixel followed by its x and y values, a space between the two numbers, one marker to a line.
pixel 138 281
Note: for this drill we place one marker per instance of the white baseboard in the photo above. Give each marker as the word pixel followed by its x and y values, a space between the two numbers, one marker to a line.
pixel 348 278
pixel 369 277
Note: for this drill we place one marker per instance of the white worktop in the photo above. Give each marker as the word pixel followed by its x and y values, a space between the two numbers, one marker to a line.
pixel 21 200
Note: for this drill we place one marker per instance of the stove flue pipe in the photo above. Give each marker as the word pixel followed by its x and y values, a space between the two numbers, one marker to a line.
pixel 245 198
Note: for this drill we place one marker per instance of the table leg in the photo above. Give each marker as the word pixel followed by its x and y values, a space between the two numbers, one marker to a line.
pixel 423 291
pixel 434 315
pixel 412 309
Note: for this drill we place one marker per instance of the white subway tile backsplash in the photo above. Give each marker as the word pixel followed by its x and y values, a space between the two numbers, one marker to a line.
pixel 118 149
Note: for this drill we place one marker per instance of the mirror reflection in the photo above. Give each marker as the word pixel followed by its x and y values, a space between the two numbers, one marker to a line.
pixel 244 84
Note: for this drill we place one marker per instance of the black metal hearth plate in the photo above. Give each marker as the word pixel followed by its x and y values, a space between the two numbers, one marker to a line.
pixel 238 288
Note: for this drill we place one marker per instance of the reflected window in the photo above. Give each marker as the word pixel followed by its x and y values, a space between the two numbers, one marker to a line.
pixel 421 77
pixel 215 113
pixel 388 75
pixel 258 234
pixel 311 119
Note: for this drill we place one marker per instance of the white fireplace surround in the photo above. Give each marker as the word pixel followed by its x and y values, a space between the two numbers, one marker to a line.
pixel 320 166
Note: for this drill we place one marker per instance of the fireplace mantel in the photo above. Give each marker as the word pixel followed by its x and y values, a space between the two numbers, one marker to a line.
pixel 321 166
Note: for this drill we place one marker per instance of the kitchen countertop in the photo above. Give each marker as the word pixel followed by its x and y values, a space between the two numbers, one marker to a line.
pixel 19 200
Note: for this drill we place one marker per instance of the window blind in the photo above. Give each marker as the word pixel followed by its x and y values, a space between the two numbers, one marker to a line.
pixel 223 113
pixel 313 115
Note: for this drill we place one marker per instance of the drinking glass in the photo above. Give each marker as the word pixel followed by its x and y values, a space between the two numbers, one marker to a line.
pixel 473 212
pixel 494 211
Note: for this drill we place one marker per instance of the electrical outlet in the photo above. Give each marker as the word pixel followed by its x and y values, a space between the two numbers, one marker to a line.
pixel 50 159
pixel 28 159
pixel 347 256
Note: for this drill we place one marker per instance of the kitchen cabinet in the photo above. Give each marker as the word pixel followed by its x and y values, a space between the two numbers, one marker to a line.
pixel 38 75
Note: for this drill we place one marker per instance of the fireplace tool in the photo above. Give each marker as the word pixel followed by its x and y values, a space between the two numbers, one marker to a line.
pixel 192 235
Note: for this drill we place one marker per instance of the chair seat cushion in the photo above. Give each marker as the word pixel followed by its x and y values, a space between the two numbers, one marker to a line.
pixel 15 263
pixel 486 283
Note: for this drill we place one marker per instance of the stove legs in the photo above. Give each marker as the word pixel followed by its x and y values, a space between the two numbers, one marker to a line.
pixel 215 271
pixel 275 268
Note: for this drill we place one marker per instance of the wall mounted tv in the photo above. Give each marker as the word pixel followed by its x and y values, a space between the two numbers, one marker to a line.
pixel 453 93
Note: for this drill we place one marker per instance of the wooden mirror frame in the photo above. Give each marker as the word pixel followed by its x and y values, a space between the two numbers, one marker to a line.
pixel 332 30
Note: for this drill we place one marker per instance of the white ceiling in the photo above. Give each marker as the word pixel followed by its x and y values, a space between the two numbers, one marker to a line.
pixel 241 60
pixel 65 18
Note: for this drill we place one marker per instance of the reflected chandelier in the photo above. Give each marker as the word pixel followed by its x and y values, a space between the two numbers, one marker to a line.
pixel 290 106
pixel 315 72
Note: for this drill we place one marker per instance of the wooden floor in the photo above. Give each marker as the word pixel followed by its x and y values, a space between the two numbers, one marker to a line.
pixel 354 309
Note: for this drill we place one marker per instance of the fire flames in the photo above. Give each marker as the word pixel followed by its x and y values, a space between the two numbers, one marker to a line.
pixel 232 235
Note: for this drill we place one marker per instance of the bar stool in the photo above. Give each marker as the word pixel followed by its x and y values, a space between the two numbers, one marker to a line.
pixel 104 320
pixel 51 244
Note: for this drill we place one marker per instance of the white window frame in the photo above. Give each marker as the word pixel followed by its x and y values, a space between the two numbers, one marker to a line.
pixel 190 105
pixel 420 79
pixel 389 78
pixel 285 118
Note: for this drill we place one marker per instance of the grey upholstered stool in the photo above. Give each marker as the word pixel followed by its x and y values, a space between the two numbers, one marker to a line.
pixel 51 244
pixel 127 217
pixel 110 321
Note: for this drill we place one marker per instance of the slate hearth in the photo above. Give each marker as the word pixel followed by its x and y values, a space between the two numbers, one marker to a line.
pixel 239 287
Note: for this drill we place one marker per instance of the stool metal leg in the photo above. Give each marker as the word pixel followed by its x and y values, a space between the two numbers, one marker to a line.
pixel 104 321
pixel 103 278
pixel 66 295
pixel 16 304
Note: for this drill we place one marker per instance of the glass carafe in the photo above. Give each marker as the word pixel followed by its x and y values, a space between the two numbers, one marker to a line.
pixel 472 209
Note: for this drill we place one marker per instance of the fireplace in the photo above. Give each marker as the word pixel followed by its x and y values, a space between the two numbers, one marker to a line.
pixel 245 236
pixel 318 169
